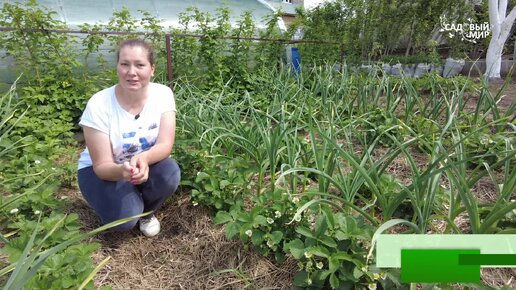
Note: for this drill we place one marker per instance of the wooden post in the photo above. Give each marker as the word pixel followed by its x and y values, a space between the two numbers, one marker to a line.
pixel 169 60
pixel 514 53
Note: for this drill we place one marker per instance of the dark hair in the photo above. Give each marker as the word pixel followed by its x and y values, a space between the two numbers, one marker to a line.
pixel 134 42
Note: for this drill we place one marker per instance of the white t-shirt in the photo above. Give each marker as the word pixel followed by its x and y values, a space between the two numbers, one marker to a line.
pixel 129 136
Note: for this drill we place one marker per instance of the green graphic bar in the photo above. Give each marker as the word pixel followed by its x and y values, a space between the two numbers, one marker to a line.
pixel 487 259
pixel 388 247
pixel 437 265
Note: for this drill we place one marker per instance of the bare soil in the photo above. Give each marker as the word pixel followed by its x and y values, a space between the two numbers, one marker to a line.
pixel 193 253
pixel 506 92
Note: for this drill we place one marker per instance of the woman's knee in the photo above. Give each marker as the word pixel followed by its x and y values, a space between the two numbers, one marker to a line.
pixel 167 173
pixel 175 177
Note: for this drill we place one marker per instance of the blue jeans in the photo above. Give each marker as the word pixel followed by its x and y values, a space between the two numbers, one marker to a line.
pixel 113 200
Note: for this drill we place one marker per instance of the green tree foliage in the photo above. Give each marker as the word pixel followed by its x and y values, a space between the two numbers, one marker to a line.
pixel 369 29
pixel 223 52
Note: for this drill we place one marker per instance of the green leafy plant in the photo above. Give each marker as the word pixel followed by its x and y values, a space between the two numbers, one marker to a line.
pixel 54 90
pixel 331 250
pixel 266 226
pixel 36 262
pixel 223 184
pixel 43 254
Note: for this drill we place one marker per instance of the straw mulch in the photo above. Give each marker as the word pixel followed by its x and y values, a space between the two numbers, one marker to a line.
pixel 189 253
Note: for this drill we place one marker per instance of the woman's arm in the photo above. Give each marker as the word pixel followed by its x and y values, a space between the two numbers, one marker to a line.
pixel 160 150
pixel 101 155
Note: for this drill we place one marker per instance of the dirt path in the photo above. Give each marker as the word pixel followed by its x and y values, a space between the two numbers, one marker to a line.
pixel 507 96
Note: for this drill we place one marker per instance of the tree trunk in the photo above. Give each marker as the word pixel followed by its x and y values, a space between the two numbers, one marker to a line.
pixel 409 45
pixel 494 58
pixel 500 28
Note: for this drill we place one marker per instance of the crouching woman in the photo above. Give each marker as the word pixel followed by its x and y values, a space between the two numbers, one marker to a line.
pixel 129 129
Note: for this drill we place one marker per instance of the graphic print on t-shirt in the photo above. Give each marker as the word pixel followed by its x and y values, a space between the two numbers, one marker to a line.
pixel 135 142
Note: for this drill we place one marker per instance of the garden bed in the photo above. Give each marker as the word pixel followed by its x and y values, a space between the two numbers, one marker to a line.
pixel 193 253
pixel 261 192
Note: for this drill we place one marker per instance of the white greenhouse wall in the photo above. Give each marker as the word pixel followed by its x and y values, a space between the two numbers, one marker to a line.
pixel 76 12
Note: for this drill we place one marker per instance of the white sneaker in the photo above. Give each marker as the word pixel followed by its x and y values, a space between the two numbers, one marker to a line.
pixel 150 226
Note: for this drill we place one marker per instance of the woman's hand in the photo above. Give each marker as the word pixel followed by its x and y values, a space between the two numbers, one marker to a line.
pixel 128 171
pixel 139 165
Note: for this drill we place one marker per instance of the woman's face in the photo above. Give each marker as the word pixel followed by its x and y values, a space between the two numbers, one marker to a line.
pixel 133 68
